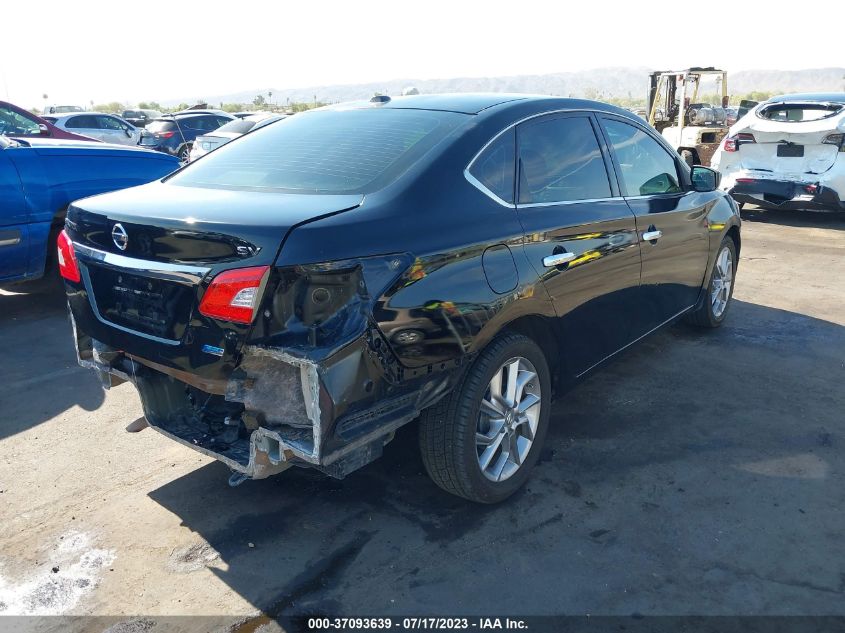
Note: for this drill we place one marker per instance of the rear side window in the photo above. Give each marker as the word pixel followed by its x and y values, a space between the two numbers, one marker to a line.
pixel 796 112
pixel 324 151
pixel 494 167
pixel 560 161
pixel 647 168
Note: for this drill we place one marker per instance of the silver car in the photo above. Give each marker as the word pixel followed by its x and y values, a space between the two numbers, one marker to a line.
pixel 98 125
pixel 230 131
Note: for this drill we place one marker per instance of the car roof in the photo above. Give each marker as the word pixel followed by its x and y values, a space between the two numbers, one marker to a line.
pixel 466 103
pixel 185 115
pixel 203 111
pixel 67 115
pixel 836 97
pixel 476 103
pixel 79 144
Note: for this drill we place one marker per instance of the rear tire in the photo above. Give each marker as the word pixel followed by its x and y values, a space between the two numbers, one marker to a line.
pixel 485 453
pixel 688 156
pixel 184 154
pixel 720 288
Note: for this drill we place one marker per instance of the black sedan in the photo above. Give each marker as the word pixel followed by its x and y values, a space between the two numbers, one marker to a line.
pixel 296 296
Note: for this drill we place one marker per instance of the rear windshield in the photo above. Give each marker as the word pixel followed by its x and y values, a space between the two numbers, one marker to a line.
pixel 324 151
pixel 161 126
pixel 796 112
pixel 238 126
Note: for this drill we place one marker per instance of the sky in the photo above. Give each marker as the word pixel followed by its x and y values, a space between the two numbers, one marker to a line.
pixel 101 51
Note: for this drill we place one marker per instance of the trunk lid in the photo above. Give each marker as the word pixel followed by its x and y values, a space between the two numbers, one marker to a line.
pixel 191 225
pixel 793 149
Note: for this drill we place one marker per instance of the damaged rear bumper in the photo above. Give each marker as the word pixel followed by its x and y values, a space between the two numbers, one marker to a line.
pixel 786 194
pixel 277 409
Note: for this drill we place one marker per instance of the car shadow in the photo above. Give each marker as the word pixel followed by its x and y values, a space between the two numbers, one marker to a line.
pixel 44 380
pixel 677 479
pixel 810 219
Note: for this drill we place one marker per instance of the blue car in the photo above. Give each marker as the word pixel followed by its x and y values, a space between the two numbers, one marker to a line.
pixel 175 134
pixel 39 178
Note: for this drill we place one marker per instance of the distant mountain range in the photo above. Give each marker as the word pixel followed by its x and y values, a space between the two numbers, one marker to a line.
pixel 599 83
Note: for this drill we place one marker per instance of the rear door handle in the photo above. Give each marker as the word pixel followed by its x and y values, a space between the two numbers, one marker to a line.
pixel 558 259
pixel 652 236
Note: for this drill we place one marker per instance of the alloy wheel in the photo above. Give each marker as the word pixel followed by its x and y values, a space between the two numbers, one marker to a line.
pixel 508 419
pixel 720 291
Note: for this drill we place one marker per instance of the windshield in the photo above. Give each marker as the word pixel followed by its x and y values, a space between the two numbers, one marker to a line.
pixel 796 112
pixel 161 126
pixel 324 151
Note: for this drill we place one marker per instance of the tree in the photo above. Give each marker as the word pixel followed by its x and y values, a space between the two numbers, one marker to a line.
pixel 114 106
pixel 259 101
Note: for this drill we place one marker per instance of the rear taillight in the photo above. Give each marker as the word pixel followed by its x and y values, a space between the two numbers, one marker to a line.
pixel 233 295
pixel 733 143
pixel 835 139
pixel 68 267
pixel 163 134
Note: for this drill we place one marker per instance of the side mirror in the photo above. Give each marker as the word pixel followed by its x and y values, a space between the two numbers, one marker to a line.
pixel 43 130
pixel 704 179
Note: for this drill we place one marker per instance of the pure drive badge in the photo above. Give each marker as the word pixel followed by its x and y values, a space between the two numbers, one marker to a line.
pixel 120 237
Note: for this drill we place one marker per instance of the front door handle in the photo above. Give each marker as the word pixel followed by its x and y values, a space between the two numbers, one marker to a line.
pixel 558 259
pixel 652 235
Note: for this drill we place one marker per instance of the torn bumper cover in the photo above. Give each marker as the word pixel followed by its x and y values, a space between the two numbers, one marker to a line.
pixel 279 409
pixel 785 194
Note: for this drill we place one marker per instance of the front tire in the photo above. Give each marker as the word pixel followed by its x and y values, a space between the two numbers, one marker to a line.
pixel 720 289
pixel 482 440
pixel 688 156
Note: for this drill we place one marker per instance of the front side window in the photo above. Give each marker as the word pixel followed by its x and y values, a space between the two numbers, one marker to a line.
pixel 108 123
pixel 494 167
pixel 560 161
pixel 354 151
pixel 86 122
pixel 14 124
pixel 647 168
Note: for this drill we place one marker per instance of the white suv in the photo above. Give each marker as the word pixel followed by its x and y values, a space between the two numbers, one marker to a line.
pixel 787 153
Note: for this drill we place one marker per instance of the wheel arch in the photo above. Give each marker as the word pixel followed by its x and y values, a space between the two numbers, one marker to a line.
pixel 541 330
pixel 735 235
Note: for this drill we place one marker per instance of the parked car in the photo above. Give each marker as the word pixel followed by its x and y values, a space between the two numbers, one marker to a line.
pixel 233 129
pixel 140 118
pixel 62 109
pixel 299 294
pixel 19 123
pixel 788 153
pixel 175 134
pixel 204 111
pixel 98 125
pixel 38 180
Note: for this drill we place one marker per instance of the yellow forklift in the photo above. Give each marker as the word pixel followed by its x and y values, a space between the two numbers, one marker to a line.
pixel 694 129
